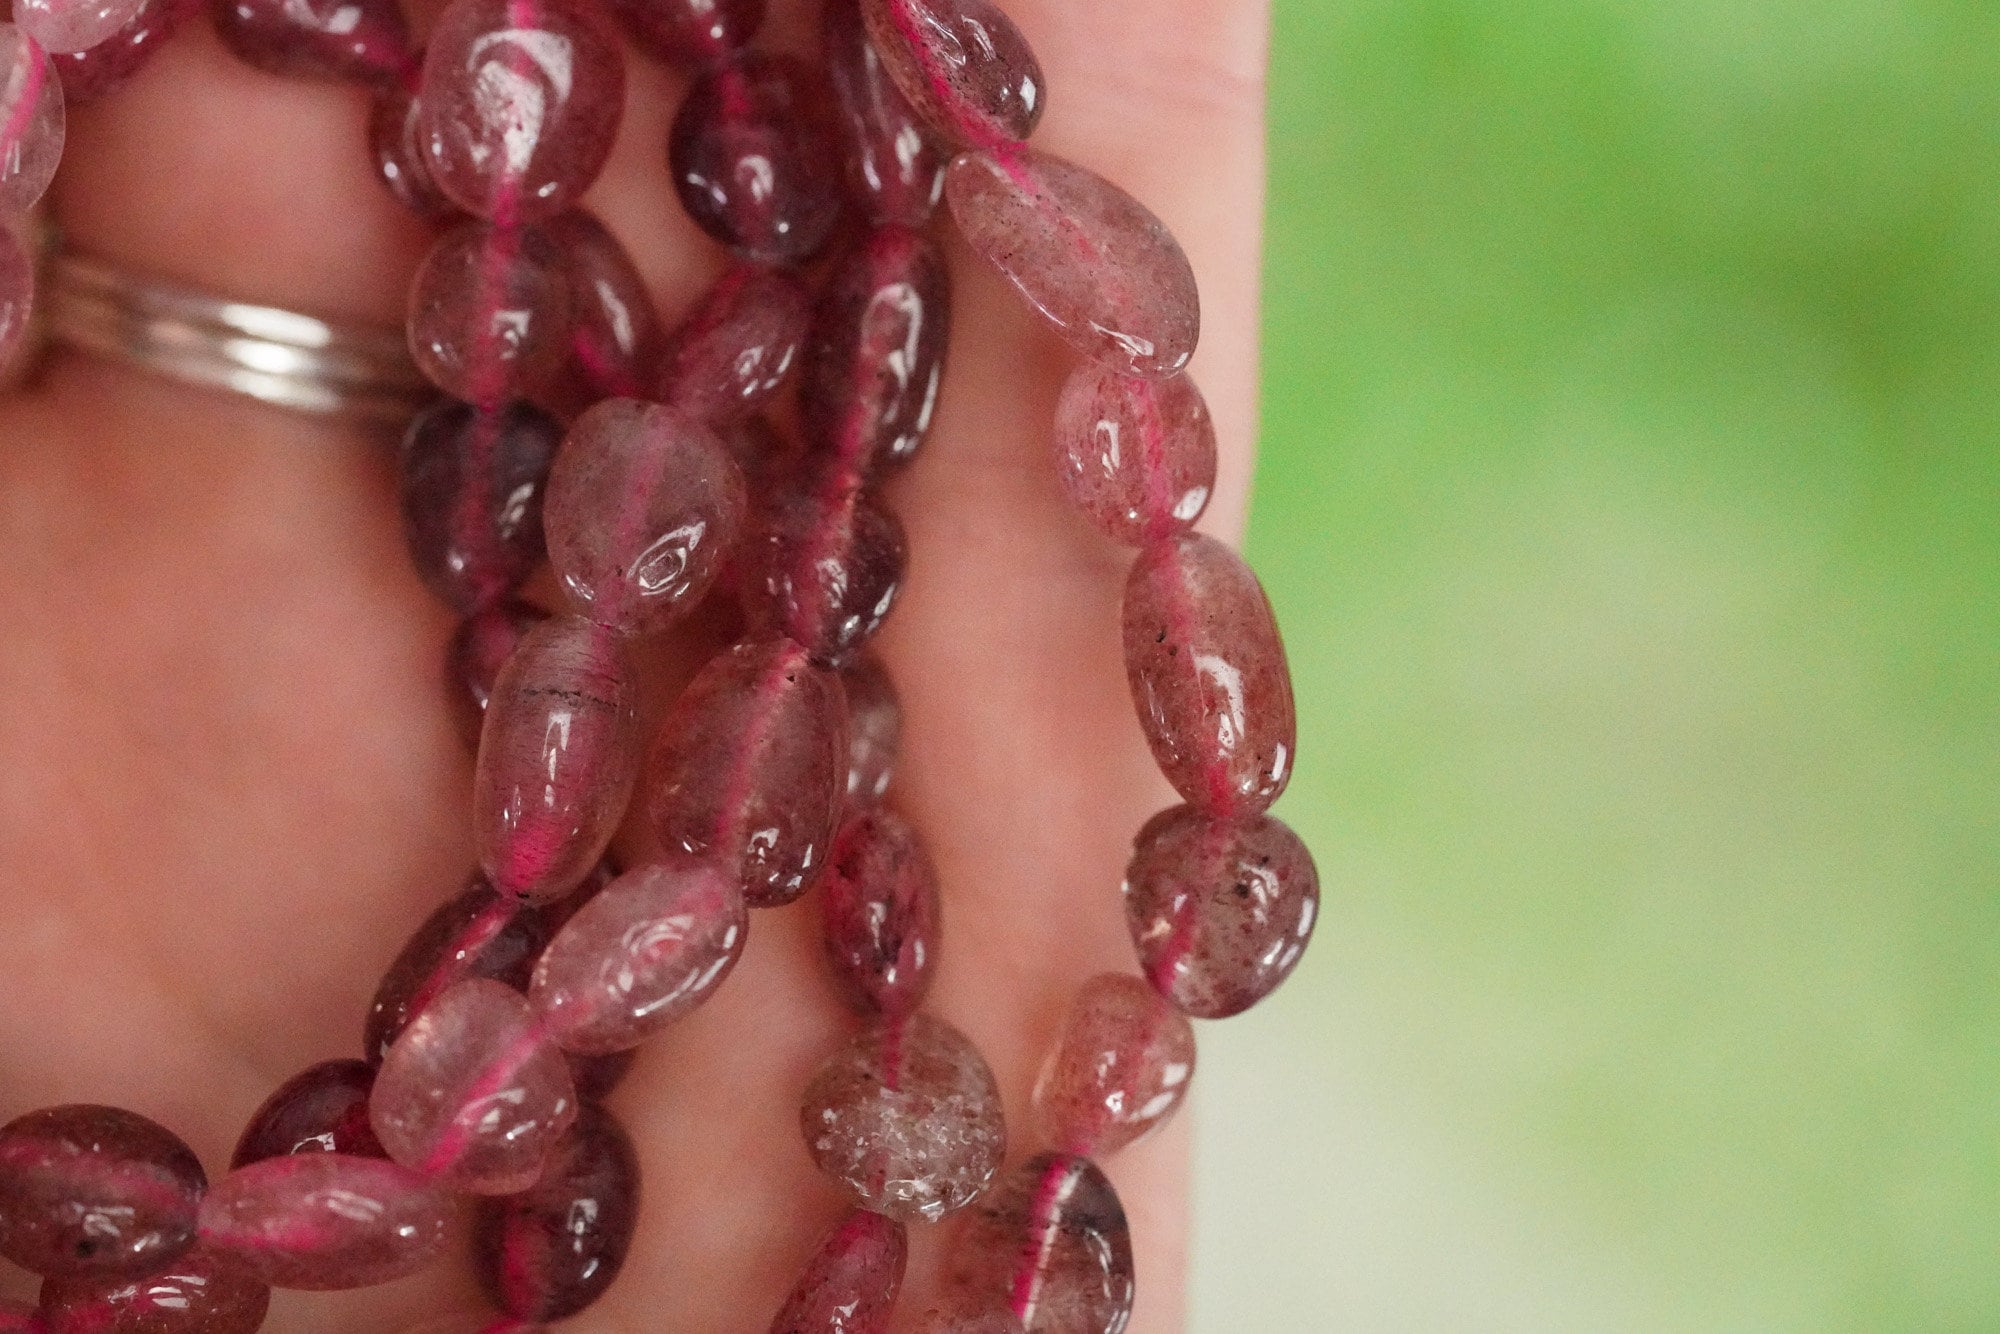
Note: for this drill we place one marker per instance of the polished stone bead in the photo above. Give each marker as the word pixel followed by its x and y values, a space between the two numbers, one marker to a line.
pixel 824 568
pixel 880 914
pixel 895 171
pixel 614 332
pixel 1208 675
pixel 322 1221
pixel 1051 1243
pixel 691 33
pixel 321 1109
pixel 963 65
pixel 747 769
pixel 473 1092
pixel 557 759
pixel 597 1077
pixel 396 143
pixel 869 384
pixel 850 1284
pixel 520 102
pixel 1119 1070
pixel 1100 268
pixel 95 1190
pixel 551 1251
pixel 644 507
pixel 199 1293
pixel 61 26
pixel 17 293
pixel 475 933
pixel 655 944
pixel 749 158
pixel 32 124
pixel 1220 910
pixel 361 40
pixel 489 312
pixel 907 1116
pixel 106 66
pixel 874 728
pixel 732 352
pixel 474 656
pixel 1136 456
pixel 471 494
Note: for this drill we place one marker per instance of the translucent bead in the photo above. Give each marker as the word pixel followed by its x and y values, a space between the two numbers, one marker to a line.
pixel 614 333
pixel 553 1250
pixel 1208 675
pixel 17 293
pixel 31 122
pixel 471 492
pixel 653 946
pixel 747 769
pixel 824 569
pixel 1136 456
pixel 199 1293
pixel 1100 268
pixel 473 1092
pixel 880 912
pixel 769 457
pixel 397 145
pixel 748 160
pixel 874 728
pixel 1220 910
pixel 1120 1069
pixel 870 381
pixel 962 64
pixel 895 173
pixel 732 352
pixel 489 311
pixel 556 760
pixel 106 66
pixel 321 1109
pixel 907 1116
pixel 955 1320
pixel 322 1221
pixel 520 101
pixel 95 1190
pixel 850 1284
pixel 475 655
pixel 1050 1242
pixel 73 25
pixel 362 40
pixel 644 507
pixel 475 933
pixel 691 32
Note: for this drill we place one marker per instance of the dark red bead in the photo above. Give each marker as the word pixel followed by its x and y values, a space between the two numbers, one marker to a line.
pixel 963 65
pixel 750 160
pixel 362 40
pixel 732 352
pixel 321 1109
pixel 1049 1241
pixel 477 933
pixel 596 1077
pixel 895 170
pixel 489 313
pixel 850 1284
pixel 691 32
pixel 100 69
pixel 398 149
pixel 614 332
pixel 824 568
pixel 472 498
pixel 879 913
pixel 94 1190
pixel 551 1251
pixel 199 1293
pixel 479 648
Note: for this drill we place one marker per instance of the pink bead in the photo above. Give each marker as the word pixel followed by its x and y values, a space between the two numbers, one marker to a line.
pixel 489 312
pixel 824 569
pixel 907 1116
pixel 1220 910
pixel 956 1320
pixel 321 1109
pixel 1208 675
pixel 397 145
pixel 31 122
pixel 556 760
pixel 1100 268
pixel 362 40
pixel 521 101
pixel 1120 1069
pixel 106 66
pixel 870 381
pixel 691 32
pixel 199 1293
pixel 747 769
pixel 874 728
pixel 473 1092
pixel 851 1282
pixel 471 493
pixel 1051 1244
pixel 475 933
pixel 770 458
pixel 553 1250
pixel 644 507
pixel 962 64
pixel 732 352
pixel 653 946
pixel 322 1221
pixel 95 1190
pixel 17 293
pixel 895 173
pixel 475 655
pixel 1136 456
pixel 20 1318
pixel 880 911
pixel 748 158
pixel 60 26
pixel 614 333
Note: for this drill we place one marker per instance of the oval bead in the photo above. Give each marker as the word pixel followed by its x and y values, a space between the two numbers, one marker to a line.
pixel 557 759
pixel 475 933
pixel 654 945
pixel 520 102
pixel 850 1284
pixel 321 1109
pixel 551 1251
pixel 870 381
pixel 732 352
pixel 1220 910
pixel 1136 456
pixel 747 769
pixel 614 332
pixel 32 122
pixel 324 1221
pixel 1050 1242
pixel 361 40
pixel 962 64
pixel 1208 675
pixel 471 494
pixel 63 26
pixel 874 728
pixel 644 507
pixel 106 66
pixel 880 914
pixel 907 1116
pixel 95 1190
pixel 17 294
pixel 824 569
pixel 1119 1070
pixel 691 32
pixel 895 173
pixel 748 160
pixel 199 1293
pixel 489 310
pixel 1093 261
pixel 395 141
pixel 475 655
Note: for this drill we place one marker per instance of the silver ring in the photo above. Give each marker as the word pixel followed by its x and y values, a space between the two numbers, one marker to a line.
pixel 272 355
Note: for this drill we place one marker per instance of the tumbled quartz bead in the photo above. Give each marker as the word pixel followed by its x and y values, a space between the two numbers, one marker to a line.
pixel 61 26
pixel 1050 1243
pixel 691 32
pixel 906 1116
pixel 1100 268
pixel 323 1221
pixel 395 141
pixel 879 914
pixel 644 506
pixel 471 495
pixel 747 769
pixel 894 170
pixel 31 122
pixel 552 1250
pixel 95 1190
pixel 655 944
pixel 199 1293
pixel 732 352
pixel 850 1284
pixel 749 161
pixel 17 293
pixel 1220 910
pixel 489 311
pixel 519 103
pixel 874 728
pixel 321 1109
pixel 361 40
pixel 1208 675
pixel 556 759
pixel 1136 456
pixel 824 568
pixel 962 64
pixel 474 656
pixel 475 933
pixel 869 385
pixel 614 332
pixel 1120 1069
pixel 473 1092
pixel 101 69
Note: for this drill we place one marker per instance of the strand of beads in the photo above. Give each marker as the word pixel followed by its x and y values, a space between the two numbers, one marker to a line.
pixel 31 144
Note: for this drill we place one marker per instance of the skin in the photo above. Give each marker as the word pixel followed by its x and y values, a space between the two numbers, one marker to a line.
pixel 232 787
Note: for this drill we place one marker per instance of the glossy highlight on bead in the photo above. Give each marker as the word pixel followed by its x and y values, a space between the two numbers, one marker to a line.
pixel 90 1190
pixel 1050 1244
pixel 554 1249
pixel 478 932
pixel 850 1284
pixel 748 161
pixel 895 170
pixel 880 914
pixel 1122 1066
pixel 963 65
pixel 321 1109
pixel 199 1293
pixel 470 488
pixel 32 121
pixel 324 1221
pixel 1136 456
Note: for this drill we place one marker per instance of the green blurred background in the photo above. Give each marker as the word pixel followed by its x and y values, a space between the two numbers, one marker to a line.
pixel 1631 499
